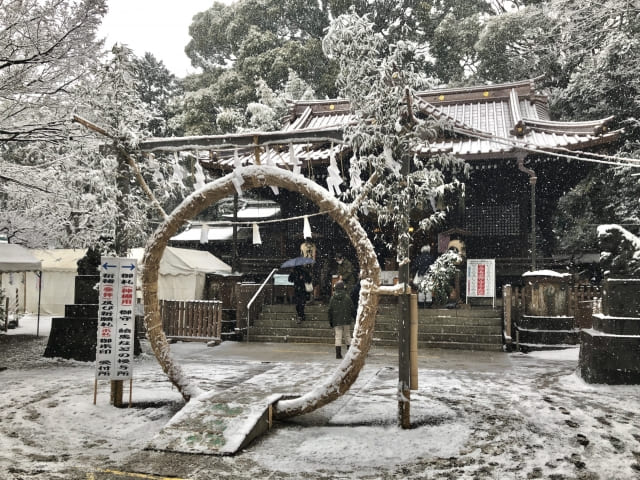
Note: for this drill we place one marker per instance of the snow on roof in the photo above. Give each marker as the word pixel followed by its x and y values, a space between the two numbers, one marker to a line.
pixel 59 259
pixel 545 273
pixel 215 234
pixel 16 258
pixel 185 261
pixel 256 212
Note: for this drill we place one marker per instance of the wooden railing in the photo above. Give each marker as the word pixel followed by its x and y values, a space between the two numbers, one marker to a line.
pixel 197 320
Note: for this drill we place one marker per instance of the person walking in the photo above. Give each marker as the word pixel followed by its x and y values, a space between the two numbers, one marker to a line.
pixel 421 268
pixel 300 277
pixel 308 249
pixel 341 316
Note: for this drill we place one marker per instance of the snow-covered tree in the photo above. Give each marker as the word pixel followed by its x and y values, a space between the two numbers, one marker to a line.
pixel 47 48
pixel 588 54
pixel 82 192
pixel 380 79
pixel 160 90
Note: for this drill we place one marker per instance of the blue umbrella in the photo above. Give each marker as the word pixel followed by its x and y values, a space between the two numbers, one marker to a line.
pixel 296 262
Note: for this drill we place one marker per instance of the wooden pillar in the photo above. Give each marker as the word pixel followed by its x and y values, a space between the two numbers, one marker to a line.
pixel 404 327
pixel 506 302
pixel 413 350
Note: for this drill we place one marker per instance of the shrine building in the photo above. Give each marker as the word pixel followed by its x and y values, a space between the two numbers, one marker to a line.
pixel 521 163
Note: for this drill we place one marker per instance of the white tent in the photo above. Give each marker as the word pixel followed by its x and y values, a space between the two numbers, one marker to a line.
pixel 15 261
pixel 182 272
pixel 59 269
pixel 15 258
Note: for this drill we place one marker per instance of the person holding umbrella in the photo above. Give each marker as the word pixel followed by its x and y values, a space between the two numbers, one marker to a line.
pixel 300 278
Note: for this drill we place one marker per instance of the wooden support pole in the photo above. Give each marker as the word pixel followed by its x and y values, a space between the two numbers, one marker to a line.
pixel 95 390
pixel 256 150
pixel 404 363
pixel 116 392
pixel 413 350
pixel 506 302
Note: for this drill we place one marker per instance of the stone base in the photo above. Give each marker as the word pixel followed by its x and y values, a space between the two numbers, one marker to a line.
pixel 616 325
pixel 609 359
pixel 546 333
pixel 621 297
pixel 75 338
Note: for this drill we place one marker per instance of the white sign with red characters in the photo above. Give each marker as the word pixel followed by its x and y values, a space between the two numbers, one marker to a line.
pixel 116 318
pixel 481 278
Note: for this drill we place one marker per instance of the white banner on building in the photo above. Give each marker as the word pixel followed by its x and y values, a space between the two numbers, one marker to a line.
pixel 481 278
pixel 116 318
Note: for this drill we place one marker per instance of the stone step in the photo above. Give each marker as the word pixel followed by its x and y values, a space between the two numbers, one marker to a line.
pixel 476 327
pixel 386 319
pixel 548 337
pixel 442 335
pixel 472 346
pixel 379 342
pixel 462 328
pixel 546 323
pixel 384 310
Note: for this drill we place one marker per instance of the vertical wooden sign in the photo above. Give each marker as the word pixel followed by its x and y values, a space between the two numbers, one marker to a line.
pixel 116 318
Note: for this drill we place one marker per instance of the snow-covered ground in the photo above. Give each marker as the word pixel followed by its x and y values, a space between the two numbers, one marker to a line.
pixel 493 416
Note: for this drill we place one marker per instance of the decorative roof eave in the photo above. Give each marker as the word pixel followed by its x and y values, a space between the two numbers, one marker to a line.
pixel 521 146
pixel 487 92
pixel 593 127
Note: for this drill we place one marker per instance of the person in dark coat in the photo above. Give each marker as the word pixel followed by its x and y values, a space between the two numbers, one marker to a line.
pixel 345 271
pixel 424 261
pixel 341 316
pixel 299 277
pixel 421 268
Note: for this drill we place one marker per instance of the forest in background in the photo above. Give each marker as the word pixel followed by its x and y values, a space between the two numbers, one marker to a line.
pixel 62 185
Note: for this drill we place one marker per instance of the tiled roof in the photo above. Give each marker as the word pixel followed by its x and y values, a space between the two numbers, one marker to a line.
pixel 486 123
pixel 491 121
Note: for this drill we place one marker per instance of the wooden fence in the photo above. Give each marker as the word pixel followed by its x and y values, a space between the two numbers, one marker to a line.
pixel 198 320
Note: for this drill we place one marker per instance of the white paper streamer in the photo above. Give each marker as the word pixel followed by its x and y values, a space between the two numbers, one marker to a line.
pixel 204 233
pixel 293 160
pixel 237 179
pixel 334 179
pixel 256 235
pixel 306 230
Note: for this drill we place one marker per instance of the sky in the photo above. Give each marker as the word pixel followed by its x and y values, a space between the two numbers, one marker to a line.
pixel 157 26
pixel 490 416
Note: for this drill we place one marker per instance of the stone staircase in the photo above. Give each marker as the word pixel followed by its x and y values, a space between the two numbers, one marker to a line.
pixel 476 328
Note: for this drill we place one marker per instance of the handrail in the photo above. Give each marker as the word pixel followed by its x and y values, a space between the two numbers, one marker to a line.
pixel 255 295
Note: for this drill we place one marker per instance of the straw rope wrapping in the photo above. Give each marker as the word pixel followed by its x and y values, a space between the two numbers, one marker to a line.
pixel 255 177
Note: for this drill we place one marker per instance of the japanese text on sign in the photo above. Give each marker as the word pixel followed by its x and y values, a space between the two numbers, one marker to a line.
pixel 116 318
pixel 481 277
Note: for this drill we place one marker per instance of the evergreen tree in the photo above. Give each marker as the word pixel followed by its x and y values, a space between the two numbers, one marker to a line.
pixel 379 79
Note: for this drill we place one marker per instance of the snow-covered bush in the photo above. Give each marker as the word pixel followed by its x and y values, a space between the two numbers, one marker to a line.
pixel 440 277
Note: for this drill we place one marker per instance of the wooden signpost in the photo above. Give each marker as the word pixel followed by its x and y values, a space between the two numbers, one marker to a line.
pixel 116 325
